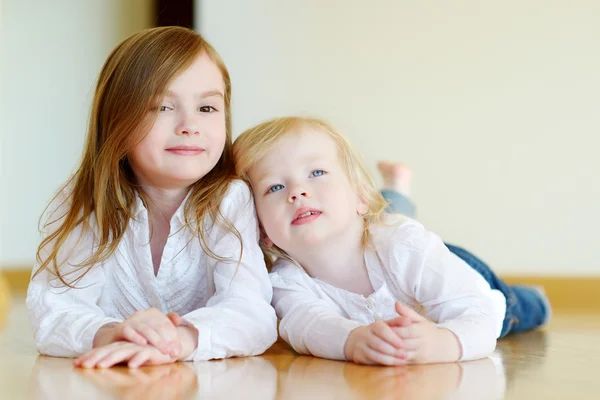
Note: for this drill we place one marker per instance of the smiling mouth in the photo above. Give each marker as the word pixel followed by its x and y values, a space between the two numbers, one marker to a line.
pixel 306 217
pixel 185 150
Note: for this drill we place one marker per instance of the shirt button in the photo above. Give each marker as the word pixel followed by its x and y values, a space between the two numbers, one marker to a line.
pixel 377 316
pixel 370 303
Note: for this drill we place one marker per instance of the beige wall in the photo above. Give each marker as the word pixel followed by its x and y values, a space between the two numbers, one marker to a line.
pixel 50 55
pixel 494 104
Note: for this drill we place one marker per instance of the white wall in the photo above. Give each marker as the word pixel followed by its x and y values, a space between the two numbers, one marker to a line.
pixel 50 55
pixel 495 105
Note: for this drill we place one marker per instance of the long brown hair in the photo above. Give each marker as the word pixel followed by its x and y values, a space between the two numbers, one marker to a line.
pixel 104 188
pixel 255 143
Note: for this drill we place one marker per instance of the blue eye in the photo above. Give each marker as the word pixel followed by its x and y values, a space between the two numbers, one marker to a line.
pixel 317 172
pixel 275 188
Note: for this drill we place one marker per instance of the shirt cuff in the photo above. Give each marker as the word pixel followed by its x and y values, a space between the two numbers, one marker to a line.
pixel 330 342
pixel 87 336
pixel 473 342
pixel 204 350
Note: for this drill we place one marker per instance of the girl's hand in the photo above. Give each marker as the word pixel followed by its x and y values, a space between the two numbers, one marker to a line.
pixel 375 344
pixel 423 340
pixel 118 352
pixel 142 328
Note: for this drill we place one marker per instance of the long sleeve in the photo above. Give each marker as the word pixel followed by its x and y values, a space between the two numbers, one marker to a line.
pixel 238 319
pixel 309 323
pixel 65 320
pixel 452 293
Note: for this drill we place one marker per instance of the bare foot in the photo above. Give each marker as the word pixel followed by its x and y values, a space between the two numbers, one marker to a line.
pixel 396 176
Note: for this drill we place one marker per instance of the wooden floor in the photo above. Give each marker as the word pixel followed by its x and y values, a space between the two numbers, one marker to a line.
pixel 562 361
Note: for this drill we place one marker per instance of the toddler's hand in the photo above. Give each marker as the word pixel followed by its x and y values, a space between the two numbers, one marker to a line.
pixel 375 344
pixel 423 340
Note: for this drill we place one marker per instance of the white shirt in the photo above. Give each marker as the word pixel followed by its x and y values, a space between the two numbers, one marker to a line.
pixel 229 306
pixel 405 263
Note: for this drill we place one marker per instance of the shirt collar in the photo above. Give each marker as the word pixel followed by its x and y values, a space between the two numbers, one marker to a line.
pixel 140 210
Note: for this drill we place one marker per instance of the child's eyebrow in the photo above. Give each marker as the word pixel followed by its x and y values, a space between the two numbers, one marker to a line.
pixel 264 178
pixel 210 93
pixel 201 95
pixel 310 159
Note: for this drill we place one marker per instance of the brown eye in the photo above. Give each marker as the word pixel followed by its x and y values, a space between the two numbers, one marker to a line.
pixel 207 109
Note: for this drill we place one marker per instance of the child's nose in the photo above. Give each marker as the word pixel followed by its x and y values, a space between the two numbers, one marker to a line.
pixel 295 194
pixel 188 130
pixel 188 127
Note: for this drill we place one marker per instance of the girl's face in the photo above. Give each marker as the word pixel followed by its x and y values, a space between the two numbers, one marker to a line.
pixel 303 196
pixel 188 137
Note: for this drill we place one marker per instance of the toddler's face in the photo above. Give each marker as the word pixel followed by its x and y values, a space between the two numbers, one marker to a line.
pixel 303 196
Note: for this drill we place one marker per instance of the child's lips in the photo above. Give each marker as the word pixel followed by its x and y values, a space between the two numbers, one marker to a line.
pixel 305 216
pixel 185 150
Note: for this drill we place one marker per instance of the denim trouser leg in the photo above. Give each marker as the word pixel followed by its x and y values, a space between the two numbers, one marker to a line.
pixel 398 203
pixel 526 308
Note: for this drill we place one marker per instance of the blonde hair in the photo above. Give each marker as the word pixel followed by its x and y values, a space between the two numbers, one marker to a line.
pixel 135 75
pixel 255 143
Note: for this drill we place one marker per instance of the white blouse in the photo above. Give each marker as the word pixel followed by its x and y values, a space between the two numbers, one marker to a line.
pixel 229 305
pixel 405 263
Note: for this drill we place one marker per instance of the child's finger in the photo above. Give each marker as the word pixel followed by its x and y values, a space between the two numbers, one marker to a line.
pixel 139 359
pixel 381 346
pixel 153 337
pixel 91 358
pixel 411 357
pixel 168 333
pixel 149 356
pixel 408 332
pixel 174 318
pixel 384 332
pixel 399 321
pixel 78 362
pixel 117 356
pixel 375 357
pixel 133 336
pixel 175 348
pixel 406 311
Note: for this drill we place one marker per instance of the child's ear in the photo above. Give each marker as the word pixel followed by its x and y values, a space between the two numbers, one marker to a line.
pixel 362 208
pixel 361 205
pixel 268 243
pixel 264 239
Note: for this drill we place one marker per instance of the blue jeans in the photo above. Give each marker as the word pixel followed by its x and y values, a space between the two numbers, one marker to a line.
pixel 526 307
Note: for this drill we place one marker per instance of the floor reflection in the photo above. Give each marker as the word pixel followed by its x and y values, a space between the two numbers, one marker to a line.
pixel 253 378
pixel 291 377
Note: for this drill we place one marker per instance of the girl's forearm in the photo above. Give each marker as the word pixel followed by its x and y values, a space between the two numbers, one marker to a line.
pixel 104 335
pixel 189 340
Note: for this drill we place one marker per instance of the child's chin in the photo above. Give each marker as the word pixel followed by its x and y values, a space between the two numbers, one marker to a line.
pixel 313 240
